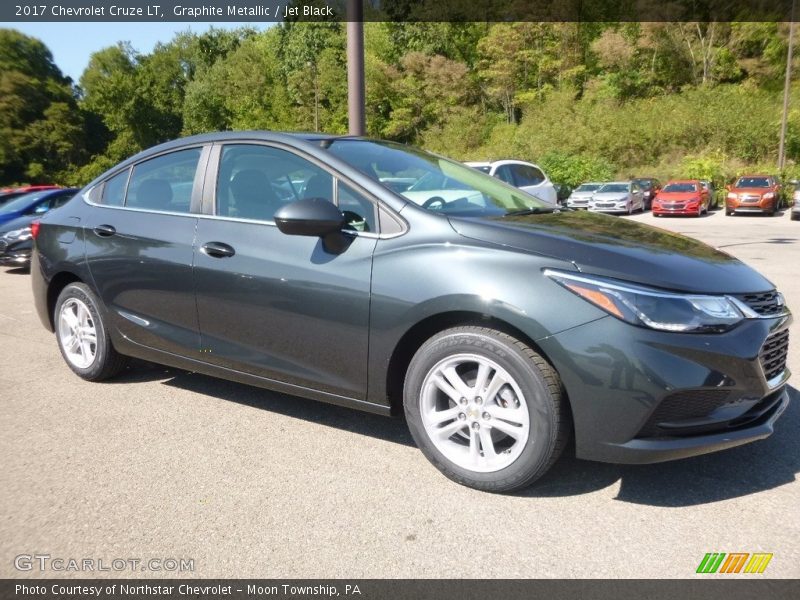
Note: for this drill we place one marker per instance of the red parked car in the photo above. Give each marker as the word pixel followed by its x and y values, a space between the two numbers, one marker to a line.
pixel 682 197
pixel 754 194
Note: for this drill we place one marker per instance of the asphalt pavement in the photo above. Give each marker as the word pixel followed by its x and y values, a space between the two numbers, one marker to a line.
pixel 164 464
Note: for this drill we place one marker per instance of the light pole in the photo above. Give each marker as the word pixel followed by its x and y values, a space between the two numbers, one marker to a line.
pixel 355 67
pixel 786 83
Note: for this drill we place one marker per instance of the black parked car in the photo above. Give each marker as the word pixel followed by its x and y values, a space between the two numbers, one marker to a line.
pixel 498 324
pixel 16 239
pixel 650 186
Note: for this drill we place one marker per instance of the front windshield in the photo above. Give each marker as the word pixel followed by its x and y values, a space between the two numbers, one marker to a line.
pixel 679 187
pixel 588 187
pixel 645 183
pixel 21 203
pixel 435 183
pixel 752 182
pixel 613 187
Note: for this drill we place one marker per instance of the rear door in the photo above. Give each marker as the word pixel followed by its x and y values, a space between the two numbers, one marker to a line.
pixel 279 306
pixel 139 249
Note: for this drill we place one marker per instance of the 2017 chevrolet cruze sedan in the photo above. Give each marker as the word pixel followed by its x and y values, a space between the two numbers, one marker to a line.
pixel 498 324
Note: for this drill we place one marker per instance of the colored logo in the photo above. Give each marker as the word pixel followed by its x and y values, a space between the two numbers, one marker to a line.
pixel 734 562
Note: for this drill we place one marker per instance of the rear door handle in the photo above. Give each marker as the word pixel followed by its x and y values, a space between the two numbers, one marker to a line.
pixel 218 250
pixel 105 230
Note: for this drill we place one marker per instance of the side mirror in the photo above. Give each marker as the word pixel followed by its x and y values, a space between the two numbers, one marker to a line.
pixel 315 217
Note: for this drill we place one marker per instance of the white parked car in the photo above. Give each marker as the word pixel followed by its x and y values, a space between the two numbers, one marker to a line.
pixel 524 175
pixel 581 195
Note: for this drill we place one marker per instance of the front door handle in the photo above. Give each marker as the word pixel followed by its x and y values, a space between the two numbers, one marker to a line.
pixel 218 250
pixel 105 230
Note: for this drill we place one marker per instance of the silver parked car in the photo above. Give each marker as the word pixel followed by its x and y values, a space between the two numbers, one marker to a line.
pixel 581 195
pixel 618 197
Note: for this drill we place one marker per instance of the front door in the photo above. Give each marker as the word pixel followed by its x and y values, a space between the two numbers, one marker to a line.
pixel 279 306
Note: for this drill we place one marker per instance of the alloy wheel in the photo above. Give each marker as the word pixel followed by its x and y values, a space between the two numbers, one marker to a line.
pixel 474 413
pixel 77 333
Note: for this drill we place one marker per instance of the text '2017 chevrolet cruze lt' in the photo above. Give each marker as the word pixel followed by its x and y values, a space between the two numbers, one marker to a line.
pixel 499 324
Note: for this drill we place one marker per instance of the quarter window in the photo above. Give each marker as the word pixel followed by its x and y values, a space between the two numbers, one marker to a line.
pixel 164 183
pixel 114 189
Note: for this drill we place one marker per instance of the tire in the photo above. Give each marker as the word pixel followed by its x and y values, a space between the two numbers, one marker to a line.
pixel 795 216
pixel 529 400
pixel 728 213
pixel 93 357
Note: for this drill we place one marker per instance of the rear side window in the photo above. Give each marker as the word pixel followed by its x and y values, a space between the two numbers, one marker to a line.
pixel 114 189
pixel 164 183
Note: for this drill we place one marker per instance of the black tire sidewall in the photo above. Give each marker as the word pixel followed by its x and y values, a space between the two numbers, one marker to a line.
pixel 82 292
pixel 540 446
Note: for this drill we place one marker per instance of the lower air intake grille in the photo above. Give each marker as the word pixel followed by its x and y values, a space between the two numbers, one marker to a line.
pixel 681 406
pixel 773 354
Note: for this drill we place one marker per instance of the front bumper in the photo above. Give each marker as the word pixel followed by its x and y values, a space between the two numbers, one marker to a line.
pixel 15 254
pixel 762 206
pixel 609 209
pixel 643 396
pixel 666 210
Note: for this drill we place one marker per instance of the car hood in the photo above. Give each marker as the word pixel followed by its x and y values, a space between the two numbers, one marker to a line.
pixel 753 191
pixel 673 196
pixel 611 196
pixel 581 195
pixel 16 223
pixel 621 249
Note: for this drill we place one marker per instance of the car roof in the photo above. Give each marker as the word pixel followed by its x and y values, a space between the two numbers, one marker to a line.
pixel 617 182
pixel 684 181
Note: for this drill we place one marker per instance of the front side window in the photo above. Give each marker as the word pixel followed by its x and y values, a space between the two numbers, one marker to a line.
pixel 255 181
pixel 438 184
pixel 527 175
pixel 164 183
pixel 359 212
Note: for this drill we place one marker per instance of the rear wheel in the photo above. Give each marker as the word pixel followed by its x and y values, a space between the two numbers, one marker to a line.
pixel 485 409
pixel 82 335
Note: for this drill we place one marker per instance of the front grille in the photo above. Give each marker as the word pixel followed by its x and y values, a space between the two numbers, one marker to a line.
pixel 751 198
pixel 673 205
pixel 604 205
pixel 773 354
pixel 683 406
pixel 766 303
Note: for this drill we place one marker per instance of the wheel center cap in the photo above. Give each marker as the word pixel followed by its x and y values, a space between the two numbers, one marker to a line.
pixel 473 412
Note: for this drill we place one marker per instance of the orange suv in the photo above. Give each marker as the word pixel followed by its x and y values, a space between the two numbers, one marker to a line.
pixel 753 194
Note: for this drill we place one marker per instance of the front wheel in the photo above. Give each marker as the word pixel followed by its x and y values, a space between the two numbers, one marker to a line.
pixel 82 335
pixel 485 409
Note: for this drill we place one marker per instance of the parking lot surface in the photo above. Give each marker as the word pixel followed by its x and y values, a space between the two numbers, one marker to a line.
pixel 161 463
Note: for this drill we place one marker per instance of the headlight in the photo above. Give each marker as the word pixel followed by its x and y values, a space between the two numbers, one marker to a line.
pixel 647 307
pixel 768 196
pixel 18 235
pixel 732 196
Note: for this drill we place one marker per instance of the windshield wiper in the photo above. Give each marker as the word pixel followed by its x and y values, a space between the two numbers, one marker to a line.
pixel 534 210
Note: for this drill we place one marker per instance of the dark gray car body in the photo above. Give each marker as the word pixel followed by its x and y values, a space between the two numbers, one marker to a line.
pixel 285 314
